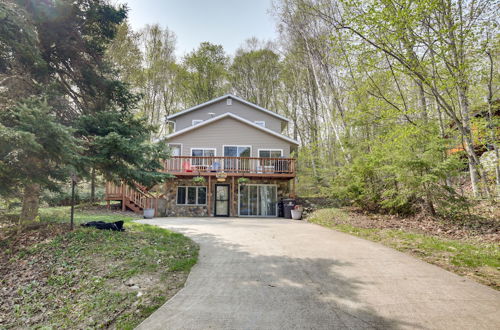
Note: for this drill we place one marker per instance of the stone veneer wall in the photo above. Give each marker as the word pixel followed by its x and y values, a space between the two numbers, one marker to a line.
pixel 168 206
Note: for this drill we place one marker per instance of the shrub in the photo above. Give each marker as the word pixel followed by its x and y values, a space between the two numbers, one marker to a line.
pixel 404 172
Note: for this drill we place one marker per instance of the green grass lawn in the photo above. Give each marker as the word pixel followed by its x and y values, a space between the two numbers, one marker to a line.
pixel 92 278
pixel 477 260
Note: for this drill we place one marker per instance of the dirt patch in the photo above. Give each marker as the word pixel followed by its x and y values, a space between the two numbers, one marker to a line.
pixel 13 238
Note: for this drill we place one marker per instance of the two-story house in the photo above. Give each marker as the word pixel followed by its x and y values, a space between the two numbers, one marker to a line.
pixel 222 141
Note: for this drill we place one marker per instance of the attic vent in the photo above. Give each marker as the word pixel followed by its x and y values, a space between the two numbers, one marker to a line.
pixel 229 101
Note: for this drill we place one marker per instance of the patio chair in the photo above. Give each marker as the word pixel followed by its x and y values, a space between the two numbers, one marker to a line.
pixel 215 167
pixel 186 166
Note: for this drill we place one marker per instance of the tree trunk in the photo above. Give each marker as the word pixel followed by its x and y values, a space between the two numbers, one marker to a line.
pixel 430 204
pixel 422 101
pixel 92 186
pixel 492 127
pixel 31 197
pixel 473 160
pixel 442 134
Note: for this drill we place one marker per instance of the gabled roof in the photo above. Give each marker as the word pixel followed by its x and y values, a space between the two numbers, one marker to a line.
pixel 231 115
pixel 223 97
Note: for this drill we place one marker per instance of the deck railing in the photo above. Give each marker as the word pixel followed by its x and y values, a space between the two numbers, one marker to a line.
pixel 238 165
pixel 122 191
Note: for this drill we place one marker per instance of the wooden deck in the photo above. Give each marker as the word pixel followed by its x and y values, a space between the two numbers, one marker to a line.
pixel 231 166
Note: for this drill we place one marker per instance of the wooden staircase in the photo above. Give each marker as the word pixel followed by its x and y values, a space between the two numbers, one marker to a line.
pixel 135 198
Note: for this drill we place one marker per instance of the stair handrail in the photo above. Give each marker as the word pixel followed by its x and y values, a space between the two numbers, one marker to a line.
pixel 137 196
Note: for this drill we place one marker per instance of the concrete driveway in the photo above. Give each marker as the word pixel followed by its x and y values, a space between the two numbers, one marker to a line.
pixel 284 274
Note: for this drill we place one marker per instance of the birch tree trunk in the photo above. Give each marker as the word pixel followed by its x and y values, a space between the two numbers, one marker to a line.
pixel 491 126
pixel 473 159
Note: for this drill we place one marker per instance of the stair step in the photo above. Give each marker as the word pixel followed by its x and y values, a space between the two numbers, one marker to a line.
pixel 132 206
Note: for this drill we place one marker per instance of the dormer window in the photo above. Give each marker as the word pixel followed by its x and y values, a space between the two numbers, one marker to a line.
pixel 196 121
pixel 260 123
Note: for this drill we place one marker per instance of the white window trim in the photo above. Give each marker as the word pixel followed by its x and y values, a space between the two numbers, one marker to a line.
pixel 235 145
pixel 259 150
pixel 177 195
pixel 260 123
pixel 257 216
pixel 176 144
pixel 198 121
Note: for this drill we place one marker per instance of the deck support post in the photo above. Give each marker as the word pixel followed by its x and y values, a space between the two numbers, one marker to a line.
pixel 209 196
pixel 123 196
pixel 156 207
pixel 231 192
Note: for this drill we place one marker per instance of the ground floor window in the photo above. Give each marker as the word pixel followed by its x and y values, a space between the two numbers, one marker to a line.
pixel 192 195
pixel 258 200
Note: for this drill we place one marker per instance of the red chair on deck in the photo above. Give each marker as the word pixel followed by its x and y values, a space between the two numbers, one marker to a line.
pixel 186 166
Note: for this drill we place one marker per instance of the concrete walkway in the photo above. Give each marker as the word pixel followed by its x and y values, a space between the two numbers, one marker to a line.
pixel 284 274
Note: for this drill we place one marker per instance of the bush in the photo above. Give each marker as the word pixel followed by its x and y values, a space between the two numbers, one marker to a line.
pixel 404 172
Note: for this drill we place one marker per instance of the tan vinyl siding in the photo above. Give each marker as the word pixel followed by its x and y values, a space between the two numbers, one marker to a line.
pixel 240 109
pixel 229 131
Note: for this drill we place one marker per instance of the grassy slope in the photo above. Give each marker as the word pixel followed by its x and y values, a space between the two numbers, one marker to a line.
pixel 477 260
pixel 91 278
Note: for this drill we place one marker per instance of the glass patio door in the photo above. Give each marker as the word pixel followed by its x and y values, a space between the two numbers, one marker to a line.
pixel 239 165
pixel 258 200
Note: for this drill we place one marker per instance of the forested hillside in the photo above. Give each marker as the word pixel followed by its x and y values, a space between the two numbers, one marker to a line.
pixel 395 102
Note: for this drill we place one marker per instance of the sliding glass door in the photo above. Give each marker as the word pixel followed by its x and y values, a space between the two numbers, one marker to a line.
pixel 258 200
pixel 237 164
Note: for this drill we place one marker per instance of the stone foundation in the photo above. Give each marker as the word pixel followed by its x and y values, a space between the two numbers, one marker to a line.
pixel 168 206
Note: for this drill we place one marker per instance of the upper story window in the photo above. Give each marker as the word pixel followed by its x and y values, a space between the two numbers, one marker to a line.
pixel 260 123
pixel 196 121
pixel 270 153
pixel 175 149
pixel 202 152
pixel 229 101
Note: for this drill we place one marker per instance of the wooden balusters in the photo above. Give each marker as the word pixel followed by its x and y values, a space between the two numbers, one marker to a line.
pixel 238 165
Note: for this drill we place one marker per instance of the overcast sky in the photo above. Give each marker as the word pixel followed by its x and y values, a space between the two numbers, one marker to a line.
pixel 224 22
